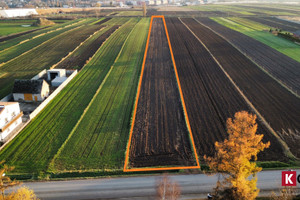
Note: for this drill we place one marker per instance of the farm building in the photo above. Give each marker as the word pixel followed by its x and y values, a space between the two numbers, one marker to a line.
pixel 56 76
pixel 30 90
pixel 10 118
pixel 9 13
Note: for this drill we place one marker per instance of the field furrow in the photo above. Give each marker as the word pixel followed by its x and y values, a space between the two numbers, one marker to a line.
pixel 277 105
pixel 44 56
pixel 36 145
pixel 108 116
pixel 285 69
pixel 209 95
pixel 78 59
pixel 25 38
pixel 160 135
pixel 15 51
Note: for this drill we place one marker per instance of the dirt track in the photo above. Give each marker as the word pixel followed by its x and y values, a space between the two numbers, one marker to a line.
pixel 160 136
pixel 278 106
pixel 209 95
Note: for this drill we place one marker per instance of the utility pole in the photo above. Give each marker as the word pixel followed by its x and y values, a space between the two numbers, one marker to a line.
pixel 144 9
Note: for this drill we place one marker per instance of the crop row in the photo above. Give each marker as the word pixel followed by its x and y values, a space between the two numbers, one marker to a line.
pixel 160 136
pixel 108 115
pixel 252 30
pixel 209 95
pixel 279 107
pixel 12 42
pixel 44 56
pixel 17 50
pixel 282 67
pixel 36 145
pixel 78 58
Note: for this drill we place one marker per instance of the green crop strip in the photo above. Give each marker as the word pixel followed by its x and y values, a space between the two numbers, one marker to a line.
pixel 33 149
pixel 12 42
pixel 103 145
pixel 43 57
pixel 19 49
pixel 260 33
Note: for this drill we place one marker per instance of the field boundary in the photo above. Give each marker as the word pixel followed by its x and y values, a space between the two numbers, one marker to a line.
pixel 92 100
pixel 136 103
pixel 287 152
pixel 262 68
pixel 26 52
pixel 36 36
pixel 71 52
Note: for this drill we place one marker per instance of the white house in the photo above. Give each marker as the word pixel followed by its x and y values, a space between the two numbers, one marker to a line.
pixel 10 118
pixel 30 90
pixel 17 12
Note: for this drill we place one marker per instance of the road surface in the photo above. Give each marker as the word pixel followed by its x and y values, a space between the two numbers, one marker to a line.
pixel 192 186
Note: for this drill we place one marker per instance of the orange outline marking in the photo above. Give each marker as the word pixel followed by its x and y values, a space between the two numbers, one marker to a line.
pixel 136 103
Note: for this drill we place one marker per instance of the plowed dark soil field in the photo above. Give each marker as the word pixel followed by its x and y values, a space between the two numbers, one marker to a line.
pixel 274 24
pixel 160 136
pixel 282 21
pixel 278 106
pixel 282 67
pixel 209 95
pixel 78 61
pixel 103 21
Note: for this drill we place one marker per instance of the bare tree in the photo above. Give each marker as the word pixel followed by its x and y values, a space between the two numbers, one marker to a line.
pixel 167 190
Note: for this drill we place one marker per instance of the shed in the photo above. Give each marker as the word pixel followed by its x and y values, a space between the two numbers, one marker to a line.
pixel 30 90
pixel 58 81
pixel 53 73
pixel 9 13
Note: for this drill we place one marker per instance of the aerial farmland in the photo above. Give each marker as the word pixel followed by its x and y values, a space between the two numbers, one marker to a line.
pixel 153 90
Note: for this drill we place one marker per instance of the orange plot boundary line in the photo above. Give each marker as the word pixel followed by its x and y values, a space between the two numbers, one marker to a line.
pixel 136 103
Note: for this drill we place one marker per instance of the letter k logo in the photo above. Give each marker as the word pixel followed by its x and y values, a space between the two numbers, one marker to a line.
pixel 288 178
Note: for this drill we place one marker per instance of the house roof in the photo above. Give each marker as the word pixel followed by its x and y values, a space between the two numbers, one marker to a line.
pixel 28 86
pixel 7 103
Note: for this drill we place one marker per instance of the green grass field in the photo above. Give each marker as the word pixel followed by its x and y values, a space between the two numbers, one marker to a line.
pixel 86 44
pixel 12 42
pixel 237 9
pixel 33 149
pixel 103 145
pixel 17 50
pixel 260 33
pixel 8 27
pixel 49 53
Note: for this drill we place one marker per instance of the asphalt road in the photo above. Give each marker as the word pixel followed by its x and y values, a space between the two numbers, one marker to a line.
pixel 143 187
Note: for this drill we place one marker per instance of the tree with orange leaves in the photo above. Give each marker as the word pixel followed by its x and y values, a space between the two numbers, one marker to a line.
pixel 235 158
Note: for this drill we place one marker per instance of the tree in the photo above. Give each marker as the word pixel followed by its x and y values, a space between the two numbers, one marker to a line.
pixel 22 193
pixel 5 181
pixel 167 190
pixel 235 158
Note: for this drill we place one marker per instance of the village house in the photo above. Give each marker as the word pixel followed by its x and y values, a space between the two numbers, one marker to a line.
pixel 30 90
pixel 10 118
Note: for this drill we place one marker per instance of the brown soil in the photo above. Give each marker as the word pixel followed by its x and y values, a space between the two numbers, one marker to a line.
pixel 209 95
pixel 279 107
pixel 160 136
pixel 78 61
